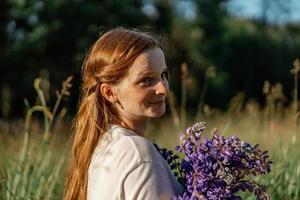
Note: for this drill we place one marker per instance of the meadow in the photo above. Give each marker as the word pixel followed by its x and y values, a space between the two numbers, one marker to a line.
pixel 35 150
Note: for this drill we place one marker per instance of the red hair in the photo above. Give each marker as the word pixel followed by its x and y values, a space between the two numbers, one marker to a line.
pixel 107 62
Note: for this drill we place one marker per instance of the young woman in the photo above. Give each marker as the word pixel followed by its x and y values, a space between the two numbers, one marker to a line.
pixel 125 84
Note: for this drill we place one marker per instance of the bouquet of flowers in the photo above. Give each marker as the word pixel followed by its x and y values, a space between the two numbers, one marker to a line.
pixel 217 168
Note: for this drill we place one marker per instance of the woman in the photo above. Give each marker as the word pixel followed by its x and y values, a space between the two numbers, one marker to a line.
pixel 125 83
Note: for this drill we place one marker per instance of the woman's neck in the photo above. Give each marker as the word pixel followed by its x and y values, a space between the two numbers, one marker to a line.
pixel 137 126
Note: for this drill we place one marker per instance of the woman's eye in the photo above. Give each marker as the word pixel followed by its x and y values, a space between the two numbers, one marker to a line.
pixel 147 81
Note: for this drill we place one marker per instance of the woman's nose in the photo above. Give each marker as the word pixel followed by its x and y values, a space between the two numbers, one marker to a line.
pixel 162 87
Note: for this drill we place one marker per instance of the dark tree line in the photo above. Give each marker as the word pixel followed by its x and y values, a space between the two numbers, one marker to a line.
pixel 50 38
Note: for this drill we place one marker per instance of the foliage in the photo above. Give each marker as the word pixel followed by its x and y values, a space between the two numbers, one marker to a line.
pixel 53 37
pixel 36 172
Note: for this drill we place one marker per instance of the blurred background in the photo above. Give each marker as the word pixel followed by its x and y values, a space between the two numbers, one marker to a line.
pixel 233 63
pixel 245 43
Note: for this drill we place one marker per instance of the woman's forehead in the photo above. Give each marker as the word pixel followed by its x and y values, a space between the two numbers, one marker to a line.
pixel 149 61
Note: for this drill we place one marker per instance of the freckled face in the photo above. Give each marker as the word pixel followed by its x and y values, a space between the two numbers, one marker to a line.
pixel 143 91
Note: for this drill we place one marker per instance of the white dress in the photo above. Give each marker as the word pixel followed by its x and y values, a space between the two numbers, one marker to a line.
pixel 126 166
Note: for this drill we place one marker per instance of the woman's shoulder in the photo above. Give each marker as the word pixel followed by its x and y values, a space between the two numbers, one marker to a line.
pixel 125 150
pixel 135 146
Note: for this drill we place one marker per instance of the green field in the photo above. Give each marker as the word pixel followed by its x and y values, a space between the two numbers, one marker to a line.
pixel 34 150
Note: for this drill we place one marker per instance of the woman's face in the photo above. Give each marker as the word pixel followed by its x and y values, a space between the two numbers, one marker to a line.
pixel 142 92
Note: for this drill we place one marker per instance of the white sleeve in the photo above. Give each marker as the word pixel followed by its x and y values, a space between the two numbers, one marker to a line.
pixel 148 181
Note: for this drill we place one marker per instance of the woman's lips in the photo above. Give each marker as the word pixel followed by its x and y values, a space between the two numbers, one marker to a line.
pixel 157 102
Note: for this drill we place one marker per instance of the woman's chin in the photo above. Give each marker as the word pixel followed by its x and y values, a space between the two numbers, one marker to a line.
pixel 157 112
pixel 158 115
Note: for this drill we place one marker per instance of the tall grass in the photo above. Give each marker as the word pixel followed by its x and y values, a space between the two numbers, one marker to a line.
pixel 34 171
pixel 32 163
pixel 274 127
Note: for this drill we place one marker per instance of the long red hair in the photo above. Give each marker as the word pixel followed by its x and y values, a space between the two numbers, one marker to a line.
pixel 107 62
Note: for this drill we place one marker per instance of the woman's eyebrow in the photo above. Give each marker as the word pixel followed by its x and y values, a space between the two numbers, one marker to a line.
pixel 146 73
pixel 143 73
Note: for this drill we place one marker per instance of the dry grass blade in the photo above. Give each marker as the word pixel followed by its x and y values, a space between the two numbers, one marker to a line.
pixel 34 175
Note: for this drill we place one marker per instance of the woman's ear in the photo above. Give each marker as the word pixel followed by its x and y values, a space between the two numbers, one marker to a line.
pixel 108 92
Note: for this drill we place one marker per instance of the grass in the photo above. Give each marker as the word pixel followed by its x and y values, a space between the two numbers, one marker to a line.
pixel 33 165
pixel 34 151
pixel 41 176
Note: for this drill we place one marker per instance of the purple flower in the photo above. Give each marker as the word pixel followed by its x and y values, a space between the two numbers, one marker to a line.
pixel 217 167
